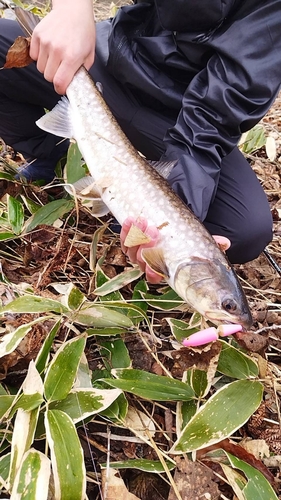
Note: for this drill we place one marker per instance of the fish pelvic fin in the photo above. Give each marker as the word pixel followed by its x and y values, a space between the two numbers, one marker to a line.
pixel 154 258
pixel 58 120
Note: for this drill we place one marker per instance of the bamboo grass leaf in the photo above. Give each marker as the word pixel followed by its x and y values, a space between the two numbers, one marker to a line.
pixel 225 412
pixel 150 386
pixel 32 480
pixel 63 368
pixel 66 456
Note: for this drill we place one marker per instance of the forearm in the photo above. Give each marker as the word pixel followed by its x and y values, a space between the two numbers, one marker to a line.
pixel 84 4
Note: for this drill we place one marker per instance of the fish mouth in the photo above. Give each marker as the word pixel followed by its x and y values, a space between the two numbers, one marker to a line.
pixel 245 322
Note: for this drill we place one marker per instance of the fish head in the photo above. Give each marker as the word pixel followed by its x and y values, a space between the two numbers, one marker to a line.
pixel 212 288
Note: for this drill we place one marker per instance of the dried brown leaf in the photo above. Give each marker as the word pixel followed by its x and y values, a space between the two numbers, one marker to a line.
pixel 194 480
pixel 113 487
pixel 18 54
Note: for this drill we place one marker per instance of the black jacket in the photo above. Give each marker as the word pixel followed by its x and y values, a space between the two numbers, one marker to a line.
pixel 215 65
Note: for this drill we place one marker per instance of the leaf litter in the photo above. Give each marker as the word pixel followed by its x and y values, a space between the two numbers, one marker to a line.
pixel 59 254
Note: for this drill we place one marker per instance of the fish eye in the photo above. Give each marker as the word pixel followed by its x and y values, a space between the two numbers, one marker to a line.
pixel 229 305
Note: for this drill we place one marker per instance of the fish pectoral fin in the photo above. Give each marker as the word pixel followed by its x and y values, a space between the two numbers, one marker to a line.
pixel 164 168
pixel 104 182
pixel 58 120
pixel 136 237
pixel 27 20
pixel 154 258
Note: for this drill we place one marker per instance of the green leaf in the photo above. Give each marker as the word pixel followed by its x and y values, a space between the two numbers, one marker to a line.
pixel 80 404
pixel 116 352
pixel 48 214
pixel 33 304
pixel 255 139
pixel 97 236
pixel 73 169
pixel 31 206
pixel 180 329
pixel 98 316
pixel 185 411
pixel 5 467
pixel 3 392
pixel 8 177
pixel 26 402
pixel 75 298
pixel 66 455
pixel 63 368
pixel 43 354
pixel 126 308
pixel 236 480
pixel 84 374
pixel 6 403
pixel 165 302
pixel 26 418
pixel 225 412
pixel 32 480
pixel 137 299
pixel 153 466
pixel 118 282
pixel 10 341
pixel 235 363
pixel 15 214
pixel 6 236
pixel 150 386
pixel 117 411
pixel 198 380
pixel 257 488
pixel 23 435
pixel 107 332
pixel 101 280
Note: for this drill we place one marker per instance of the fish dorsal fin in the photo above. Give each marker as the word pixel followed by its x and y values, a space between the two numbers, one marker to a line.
pixel 27 20
pixel 154 258
pixel 164 168
pixel 58 120
pixel 136 237
pixel 86 189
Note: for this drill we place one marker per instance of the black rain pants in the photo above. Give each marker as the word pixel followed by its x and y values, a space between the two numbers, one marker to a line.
pixel 240 210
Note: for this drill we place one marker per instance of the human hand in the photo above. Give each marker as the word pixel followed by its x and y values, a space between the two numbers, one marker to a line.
pixel 64 41
pixel 134 252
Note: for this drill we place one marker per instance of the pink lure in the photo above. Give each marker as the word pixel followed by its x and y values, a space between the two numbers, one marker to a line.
pixel 210 335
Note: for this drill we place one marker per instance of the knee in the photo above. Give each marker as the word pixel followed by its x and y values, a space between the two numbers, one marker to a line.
pixel 251 237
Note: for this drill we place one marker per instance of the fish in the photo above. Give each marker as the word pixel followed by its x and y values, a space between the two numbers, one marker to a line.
pixel 186 255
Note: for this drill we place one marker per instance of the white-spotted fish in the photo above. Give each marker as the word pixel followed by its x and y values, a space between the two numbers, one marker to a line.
pixel 186 255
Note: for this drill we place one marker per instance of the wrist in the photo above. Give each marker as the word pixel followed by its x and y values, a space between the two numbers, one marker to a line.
pixel 68 3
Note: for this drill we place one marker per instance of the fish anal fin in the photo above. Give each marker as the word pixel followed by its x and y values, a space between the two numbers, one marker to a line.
pixel 154 258
pixel 135 237
pixel 86 190
pixel 58 120
pixel 99 208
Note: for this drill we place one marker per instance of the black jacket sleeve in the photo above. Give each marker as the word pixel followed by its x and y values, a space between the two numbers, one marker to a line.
pixel 229 96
